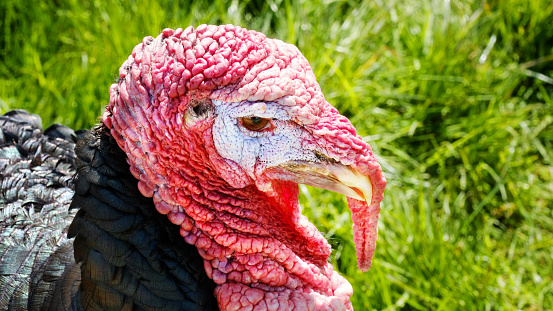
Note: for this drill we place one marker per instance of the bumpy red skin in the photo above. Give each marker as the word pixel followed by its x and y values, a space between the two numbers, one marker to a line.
pixel 255 243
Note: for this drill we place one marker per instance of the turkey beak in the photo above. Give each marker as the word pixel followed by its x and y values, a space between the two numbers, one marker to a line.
pixel 331 176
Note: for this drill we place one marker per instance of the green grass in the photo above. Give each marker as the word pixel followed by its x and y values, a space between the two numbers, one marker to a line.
pixel 456 98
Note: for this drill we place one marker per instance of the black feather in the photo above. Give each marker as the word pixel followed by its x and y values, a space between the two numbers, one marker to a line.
pixel 75 232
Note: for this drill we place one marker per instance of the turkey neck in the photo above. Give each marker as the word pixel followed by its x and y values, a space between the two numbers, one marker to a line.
pixel 132 258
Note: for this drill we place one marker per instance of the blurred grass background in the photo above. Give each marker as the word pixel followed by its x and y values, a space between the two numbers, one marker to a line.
pixel 454 96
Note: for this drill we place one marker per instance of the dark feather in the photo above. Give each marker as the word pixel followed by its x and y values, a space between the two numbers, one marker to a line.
pixel 91 242
pixel 35 190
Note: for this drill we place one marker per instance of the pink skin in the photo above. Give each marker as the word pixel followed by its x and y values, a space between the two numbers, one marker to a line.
pixel 245 221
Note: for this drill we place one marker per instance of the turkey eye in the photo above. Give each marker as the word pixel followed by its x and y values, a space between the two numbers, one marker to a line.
pixel 254 123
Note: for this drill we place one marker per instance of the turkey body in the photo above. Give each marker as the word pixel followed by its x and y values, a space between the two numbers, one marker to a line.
pixel 185 196
pixel 129 256
pixel 36 172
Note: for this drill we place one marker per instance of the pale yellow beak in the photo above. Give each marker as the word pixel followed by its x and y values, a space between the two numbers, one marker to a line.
pixel 331 176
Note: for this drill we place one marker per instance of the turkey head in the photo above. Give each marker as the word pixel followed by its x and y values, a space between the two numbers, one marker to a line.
pixel 220 124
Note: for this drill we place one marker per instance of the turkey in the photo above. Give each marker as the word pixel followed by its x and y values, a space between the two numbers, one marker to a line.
pixel 185 196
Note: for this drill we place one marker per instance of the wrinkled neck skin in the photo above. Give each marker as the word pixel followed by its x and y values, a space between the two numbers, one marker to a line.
pixel 256 245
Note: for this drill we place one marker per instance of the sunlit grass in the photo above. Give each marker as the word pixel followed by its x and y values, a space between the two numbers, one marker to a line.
pixel 454 96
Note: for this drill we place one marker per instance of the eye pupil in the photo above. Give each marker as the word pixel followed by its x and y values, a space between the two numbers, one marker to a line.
pixel 255 123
